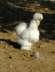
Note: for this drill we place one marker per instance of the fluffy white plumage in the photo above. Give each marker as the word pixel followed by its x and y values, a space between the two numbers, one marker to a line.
pixel 38 16
pixel 25 44
pixel 30 35
pixel 20 28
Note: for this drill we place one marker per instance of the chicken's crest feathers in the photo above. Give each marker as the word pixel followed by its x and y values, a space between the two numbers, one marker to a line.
pixel 38 16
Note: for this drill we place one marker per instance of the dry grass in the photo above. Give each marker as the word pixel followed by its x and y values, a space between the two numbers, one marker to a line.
pixel 15 60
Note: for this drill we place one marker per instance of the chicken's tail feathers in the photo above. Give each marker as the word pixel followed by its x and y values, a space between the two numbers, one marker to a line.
pixel 20 27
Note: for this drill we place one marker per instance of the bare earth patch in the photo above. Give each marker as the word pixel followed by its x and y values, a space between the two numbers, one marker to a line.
pixel 15 60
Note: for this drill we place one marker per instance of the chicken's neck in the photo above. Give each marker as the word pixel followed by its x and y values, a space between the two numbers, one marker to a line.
pixel 34 24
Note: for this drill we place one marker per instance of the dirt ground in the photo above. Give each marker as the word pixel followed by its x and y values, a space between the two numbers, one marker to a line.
pixel 13 59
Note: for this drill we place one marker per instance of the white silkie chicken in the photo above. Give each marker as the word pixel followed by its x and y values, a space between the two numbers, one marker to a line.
pixel 27 36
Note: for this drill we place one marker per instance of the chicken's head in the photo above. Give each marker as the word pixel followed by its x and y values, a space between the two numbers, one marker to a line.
pixel 38 16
